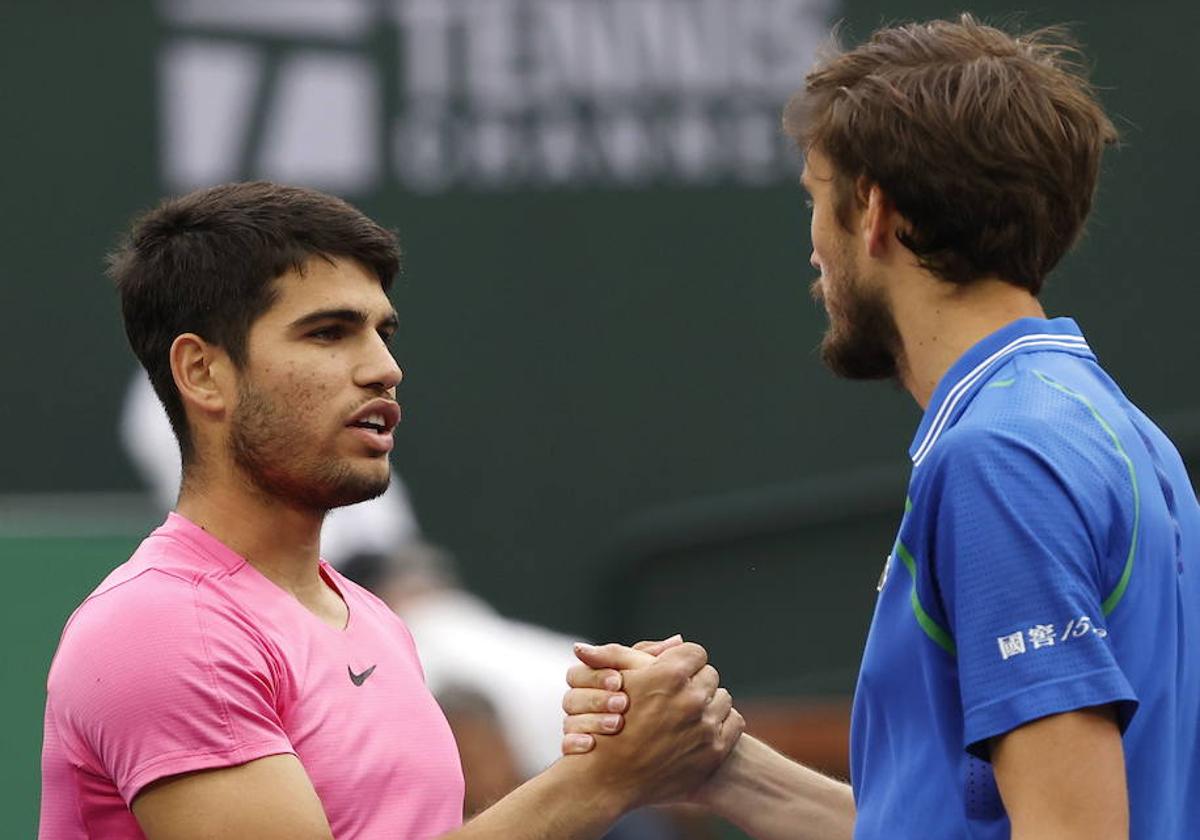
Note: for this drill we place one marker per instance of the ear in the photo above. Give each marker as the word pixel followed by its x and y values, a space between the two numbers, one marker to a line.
pixel 203 374
pixel 879 219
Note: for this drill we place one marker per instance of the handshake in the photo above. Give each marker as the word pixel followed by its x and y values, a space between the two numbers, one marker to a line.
pixel 649 725
pixel 652 721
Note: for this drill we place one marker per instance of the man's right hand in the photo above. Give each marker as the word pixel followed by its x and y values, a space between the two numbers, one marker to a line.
pixel 594 703
pixel 677 725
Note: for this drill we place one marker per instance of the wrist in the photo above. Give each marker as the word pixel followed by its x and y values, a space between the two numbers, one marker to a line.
pixel 582 778
pixel 768 795
pixel 729 782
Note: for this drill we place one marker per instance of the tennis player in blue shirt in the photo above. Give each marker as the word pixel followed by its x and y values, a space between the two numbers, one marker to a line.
pixel 1032 667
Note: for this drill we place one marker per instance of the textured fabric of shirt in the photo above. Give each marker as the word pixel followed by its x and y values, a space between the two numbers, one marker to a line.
pixel 1048 560
pixel 187 658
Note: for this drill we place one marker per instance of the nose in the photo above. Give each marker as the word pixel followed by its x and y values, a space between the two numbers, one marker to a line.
pixel 813 261
pixel 379 370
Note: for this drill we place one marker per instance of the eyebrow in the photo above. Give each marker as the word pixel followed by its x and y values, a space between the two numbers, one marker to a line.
pixel 355 317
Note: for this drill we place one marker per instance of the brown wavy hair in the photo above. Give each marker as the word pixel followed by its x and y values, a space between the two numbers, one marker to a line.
pixel 988 144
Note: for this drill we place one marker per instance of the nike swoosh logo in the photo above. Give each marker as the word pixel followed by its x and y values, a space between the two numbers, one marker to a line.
pixel 359 679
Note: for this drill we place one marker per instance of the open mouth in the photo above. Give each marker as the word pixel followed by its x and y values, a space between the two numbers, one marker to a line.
pixel 374 423
pixel 378 416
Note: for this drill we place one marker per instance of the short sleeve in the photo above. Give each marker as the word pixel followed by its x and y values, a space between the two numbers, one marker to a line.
pixel 1022 542
pixel 151 681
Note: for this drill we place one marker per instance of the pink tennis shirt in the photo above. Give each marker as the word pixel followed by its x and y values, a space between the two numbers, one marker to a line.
pixel 186 658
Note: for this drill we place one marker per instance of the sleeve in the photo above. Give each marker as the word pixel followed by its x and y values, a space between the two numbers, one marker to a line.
pixel 1022 545
pixel 151 682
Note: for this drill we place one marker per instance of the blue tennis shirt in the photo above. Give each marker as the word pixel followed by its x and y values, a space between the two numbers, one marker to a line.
pixel 1048 560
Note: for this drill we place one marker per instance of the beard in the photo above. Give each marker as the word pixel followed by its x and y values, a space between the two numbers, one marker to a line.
pixel 268 445
pixel 862 340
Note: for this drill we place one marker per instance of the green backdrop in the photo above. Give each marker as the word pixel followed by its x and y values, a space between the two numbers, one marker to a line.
pixel 613 410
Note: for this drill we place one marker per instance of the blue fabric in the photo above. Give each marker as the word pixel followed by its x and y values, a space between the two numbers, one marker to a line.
pixel 1048 560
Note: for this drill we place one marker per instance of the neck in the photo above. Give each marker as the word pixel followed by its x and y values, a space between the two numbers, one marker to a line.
pixel 280 540
pixel 939 321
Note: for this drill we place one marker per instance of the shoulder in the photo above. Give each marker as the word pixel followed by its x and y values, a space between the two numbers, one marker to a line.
pixel 158 593
pixel 132 604
pixel 1038 419
pixel 1036 451
pixel 166 568
pixel 151 629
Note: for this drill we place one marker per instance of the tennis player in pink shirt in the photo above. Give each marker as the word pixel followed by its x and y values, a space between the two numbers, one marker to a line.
pixel 225 682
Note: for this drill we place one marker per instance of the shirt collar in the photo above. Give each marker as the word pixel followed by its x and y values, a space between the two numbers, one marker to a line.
pixel 964 377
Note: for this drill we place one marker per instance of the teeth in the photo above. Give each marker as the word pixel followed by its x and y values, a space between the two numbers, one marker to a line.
pixel 377 419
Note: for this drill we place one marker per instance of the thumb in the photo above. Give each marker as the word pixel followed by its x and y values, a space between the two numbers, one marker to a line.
pixel 655 648
pixel 689 656
pixel 612 655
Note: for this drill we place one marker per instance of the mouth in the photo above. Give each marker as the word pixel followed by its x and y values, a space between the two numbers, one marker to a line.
pixel 377 418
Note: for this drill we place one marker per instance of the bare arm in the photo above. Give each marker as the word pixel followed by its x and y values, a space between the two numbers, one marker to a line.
pixel 273 799
pixel 675 738
pixel 562 802
pixel 771 797
pixel 270 798
pixel 1063 777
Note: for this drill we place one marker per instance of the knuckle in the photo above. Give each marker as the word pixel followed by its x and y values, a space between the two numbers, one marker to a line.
pixel 576 724
pixel 696 700
pixel 576 701
pixel 595 679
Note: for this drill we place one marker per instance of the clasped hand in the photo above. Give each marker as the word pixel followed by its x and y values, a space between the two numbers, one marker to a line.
pixel 655 712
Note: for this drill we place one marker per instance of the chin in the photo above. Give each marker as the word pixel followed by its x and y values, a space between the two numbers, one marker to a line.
pixel 366 487
pixel 858 357
pixel 348 486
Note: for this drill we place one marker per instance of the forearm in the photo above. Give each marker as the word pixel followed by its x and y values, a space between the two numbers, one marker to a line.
pixel 771 797
pixel 561 802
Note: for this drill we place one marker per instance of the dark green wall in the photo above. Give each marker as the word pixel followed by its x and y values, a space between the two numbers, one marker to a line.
pixel 591 372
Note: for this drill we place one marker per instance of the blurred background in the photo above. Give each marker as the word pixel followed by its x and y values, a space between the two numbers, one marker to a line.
pixel 615 418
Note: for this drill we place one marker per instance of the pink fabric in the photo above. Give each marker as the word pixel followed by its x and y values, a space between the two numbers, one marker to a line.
pixel 187 658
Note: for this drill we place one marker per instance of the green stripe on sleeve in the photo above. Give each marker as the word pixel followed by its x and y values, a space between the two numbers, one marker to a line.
pixel 931 627
pixel 1110 603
